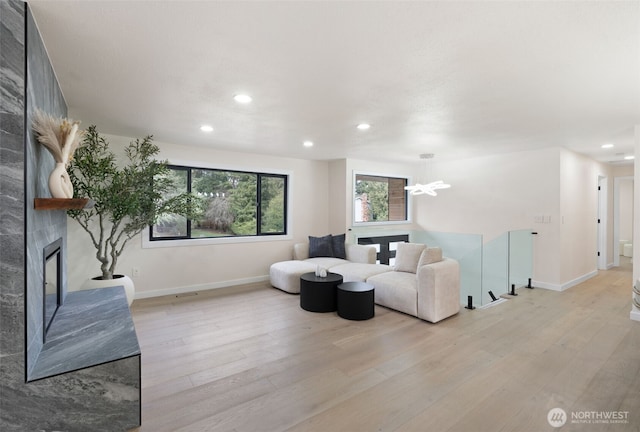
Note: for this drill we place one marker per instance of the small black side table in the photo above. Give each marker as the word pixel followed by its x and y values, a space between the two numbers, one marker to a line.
pixel 356 300
pixel 318 294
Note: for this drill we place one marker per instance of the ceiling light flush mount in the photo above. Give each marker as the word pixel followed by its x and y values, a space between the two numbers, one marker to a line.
pixel 607 145
pixel 242 98
pixel 363 126
pixel 206 128
pixel 629 157
pixel 429 188
pixel 307 144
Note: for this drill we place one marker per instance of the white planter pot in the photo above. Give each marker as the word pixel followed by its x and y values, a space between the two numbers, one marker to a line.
pixel 117 280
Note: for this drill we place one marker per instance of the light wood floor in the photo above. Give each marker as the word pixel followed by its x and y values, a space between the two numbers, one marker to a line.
pixel 249 359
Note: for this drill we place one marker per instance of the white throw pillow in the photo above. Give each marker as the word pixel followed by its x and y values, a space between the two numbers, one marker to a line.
pixel 430 255
pixel 408 256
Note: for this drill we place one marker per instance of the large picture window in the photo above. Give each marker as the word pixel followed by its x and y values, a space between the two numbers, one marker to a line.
pixel 379 199
pixel 239 204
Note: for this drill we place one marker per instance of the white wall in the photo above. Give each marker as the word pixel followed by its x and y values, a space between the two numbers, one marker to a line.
pixel 338 196
pixel 176 269
pixel 626 209
pixel 579 215
pixel 493 194
pixel 623 170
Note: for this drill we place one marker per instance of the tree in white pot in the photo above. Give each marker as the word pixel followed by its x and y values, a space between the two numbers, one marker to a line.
pixel 128 199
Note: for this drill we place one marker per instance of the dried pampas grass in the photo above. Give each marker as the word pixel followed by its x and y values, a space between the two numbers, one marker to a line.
pixel 60 136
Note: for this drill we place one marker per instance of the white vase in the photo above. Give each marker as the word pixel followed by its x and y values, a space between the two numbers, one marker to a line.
pixel 125 281
pixel 59 182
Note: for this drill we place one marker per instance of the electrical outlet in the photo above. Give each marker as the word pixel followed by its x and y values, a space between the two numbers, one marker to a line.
pixel 135 272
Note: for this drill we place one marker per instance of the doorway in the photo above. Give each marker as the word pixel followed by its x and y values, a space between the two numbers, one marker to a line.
pixel 622 218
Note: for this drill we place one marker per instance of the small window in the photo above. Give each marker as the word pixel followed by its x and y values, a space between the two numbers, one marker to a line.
pixel 379 199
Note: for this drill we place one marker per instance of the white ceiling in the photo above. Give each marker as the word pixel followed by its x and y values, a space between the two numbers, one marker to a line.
pixel 458 79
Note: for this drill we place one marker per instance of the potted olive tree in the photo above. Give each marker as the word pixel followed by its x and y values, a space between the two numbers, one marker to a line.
pixel 128 198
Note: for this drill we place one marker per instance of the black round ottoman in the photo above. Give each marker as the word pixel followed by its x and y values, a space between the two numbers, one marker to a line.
pixel 318 294
pixel 356 300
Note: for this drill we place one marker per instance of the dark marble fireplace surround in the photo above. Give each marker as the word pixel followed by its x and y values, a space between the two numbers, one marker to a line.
pixel 89 395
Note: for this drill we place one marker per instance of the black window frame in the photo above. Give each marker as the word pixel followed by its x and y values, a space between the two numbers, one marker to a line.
pixel 259 177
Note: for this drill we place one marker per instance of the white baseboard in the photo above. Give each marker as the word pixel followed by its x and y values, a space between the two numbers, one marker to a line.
pixel 566 285
pixel 545 285
pixel 634 314
pixel 199 287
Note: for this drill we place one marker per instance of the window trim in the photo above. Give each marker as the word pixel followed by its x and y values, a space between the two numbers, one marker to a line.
pixel 408 201
pixel 147 241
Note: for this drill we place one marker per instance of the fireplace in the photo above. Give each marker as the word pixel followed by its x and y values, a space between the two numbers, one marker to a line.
pixel 52 283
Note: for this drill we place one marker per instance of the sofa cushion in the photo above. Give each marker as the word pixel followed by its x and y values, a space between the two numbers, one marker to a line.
pixel 320 246
pixel 396 290
pixel 326 262
pixel 408 256
pixel 337 242
pixel 359 272
pixel 285 275
pixel 358 253
pixel 430 255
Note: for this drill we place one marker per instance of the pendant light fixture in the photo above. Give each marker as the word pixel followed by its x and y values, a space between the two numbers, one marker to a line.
pixel 429 188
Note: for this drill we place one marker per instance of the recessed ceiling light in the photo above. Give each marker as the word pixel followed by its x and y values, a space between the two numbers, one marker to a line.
pixel 307 144
pixel 242 98
pixel 206 128
pixel 629 157
pixel 363 126
pixel 608 145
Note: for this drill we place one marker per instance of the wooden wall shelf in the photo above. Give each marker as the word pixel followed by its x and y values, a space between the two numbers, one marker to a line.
pixel 62 203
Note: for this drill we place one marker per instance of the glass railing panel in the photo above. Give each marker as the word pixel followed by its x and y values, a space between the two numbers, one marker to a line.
pixel 495 268
pixel 464 248
pixel 520 257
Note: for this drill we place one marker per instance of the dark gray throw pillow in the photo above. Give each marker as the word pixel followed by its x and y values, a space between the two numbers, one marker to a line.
pixel 338 246
pixel 320 246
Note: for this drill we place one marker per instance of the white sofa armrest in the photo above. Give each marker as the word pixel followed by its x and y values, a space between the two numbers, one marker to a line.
pixel 438 287
pixel 365 254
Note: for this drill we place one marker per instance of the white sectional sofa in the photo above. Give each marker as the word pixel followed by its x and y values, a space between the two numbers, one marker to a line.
pixel 422 283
